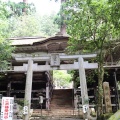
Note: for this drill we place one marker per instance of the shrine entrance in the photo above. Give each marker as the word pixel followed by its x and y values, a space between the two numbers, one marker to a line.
pixel 56 62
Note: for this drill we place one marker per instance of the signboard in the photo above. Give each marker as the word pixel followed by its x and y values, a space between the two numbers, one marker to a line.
pixel 7 108
pixel 25 110
pixel 85 108
pixel 55 60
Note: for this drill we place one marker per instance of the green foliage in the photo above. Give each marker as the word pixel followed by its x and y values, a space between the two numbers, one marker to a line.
pixel 5 48
pixel 90 77
pixel 3 28
pixel 3 11
pixel 61 17
pixel 20 102
pixel 5 54
pixel 27 25
pixel 32 25
pixel 19 24
pixel 115 116
pixel 47 25
pixel 58 19
pixel 61 77
pixel 10 9
pixel 75 78
pixel 92 29
pixel 89 27
pixel 115 12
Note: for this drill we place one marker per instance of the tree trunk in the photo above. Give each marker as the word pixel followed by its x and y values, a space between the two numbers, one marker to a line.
pixel 63 26
pixel 63 29
pixel 24 9
pixel 100 86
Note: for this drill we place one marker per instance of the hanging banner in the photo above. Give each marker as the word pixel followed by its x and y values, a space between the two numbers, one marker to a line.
pixel 7 108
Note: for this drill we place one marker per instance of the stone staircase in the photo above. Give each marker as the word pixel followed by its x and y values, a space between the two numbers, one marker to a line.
pixel 57 112
pixel 62 99
pixel 61 107
pixel 54 118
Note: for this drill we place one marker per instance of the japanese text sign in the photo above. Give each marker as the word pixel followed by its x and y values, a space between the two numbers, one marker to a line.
pixel 7 108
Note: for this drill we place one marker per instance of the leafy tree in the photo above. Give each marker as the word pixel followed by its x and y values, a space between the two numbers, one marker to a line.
pixel 61 17
pixel 115 12
pixel 115 18
pixel 3 11
pixel 32 25
pixel 5 48
pixel 5 54
pixel 22 20
pixel 62 78
pixel 10 9
pixel 27 25
pixel 47 25
pixel 91 30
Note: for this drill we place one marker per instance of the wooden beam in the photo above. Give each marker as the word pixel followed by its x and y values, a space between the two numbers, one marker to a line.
pixel 111 66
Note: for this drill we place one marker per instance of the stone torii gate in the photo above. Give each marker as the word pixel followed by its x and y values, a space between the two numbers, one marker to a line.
pixel 53 63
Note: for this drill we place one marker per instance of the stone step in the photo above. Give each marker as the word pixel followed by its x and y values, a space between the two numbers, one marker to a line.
pixel 61 105
pixel 55 118
pixel 62 98
pixel 67 97
pixel 57 112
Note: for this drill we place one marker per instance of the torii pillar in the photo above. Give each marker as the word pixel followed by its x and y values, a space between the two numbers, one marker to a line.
pixel 28 88
pixel 84 92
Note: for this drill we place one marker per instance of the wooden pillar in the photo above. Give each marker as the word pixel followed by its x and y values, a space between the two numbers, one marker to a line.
pixel 107 97
pixel 47 92
pixel 83 86
pixel 28 88
pixel 8 89
pixel 117 92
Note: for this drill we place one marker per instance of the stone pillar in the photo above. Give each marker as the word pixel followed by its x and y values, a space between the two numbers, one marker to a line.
pixel 83 86
pixel 47 95
pixel 107 97
pixel 28 88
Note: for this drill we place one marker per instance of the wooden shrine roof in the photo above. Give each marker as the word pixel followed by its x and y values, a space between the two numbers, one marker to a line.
pixel 26 40
pixel 33 40
pixel 34 44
